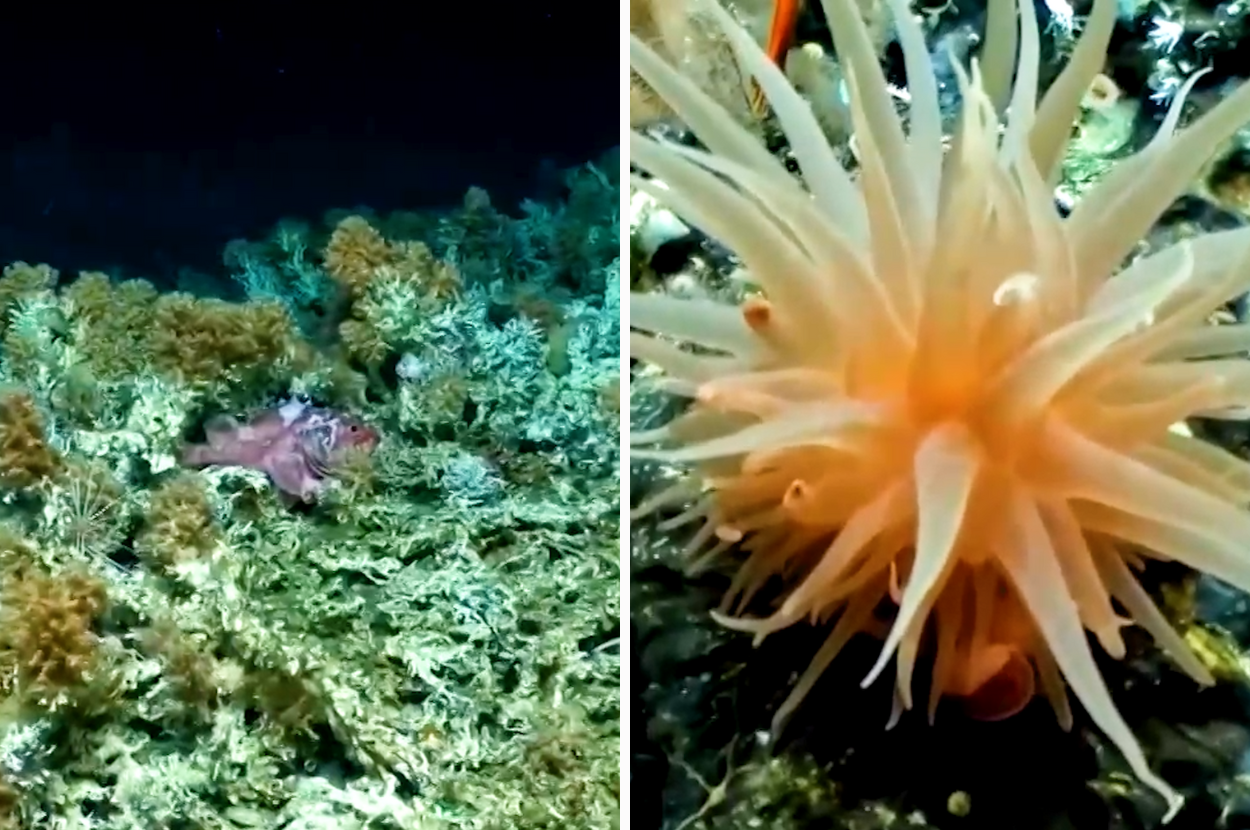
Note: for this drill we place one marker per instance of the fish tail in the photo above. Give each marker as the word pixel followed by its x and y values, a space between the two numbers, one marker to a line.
pixel 197 455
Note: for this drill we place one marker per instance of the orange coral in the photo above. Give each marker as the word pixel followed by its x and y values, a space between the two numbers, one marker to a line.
pixel 436 281
pixel 114 322
pixel 355 250
pixel 186 662
pixel 209 340
pixel 46 637
pixel 363 341
pixel 16 553
pixel 532 303
pixel 357 255
pixel 22 280
pixel 22 348
pixel 25 457
pixel 377 275
pixel 94 297
pixel 179 525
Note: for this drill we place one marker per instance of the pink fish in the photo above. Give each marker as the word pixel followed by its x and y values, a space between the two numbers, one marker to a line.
pixel 296 444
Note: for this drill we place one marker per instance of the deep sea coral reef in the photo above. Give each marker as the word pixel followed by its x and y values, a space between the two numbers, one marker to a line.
pixel 433 643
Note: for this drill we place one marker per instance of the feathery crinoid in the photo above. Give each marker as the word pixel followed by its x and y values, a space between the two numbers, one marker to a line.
pixel 944 398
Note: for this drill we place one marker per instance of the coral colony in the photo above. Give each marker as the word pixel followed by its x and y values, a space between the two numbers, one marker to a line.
pixel 342 553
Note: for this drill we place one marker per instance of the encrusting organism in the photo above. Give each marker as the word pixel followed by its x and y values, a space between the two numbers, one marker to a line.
pixel 944 395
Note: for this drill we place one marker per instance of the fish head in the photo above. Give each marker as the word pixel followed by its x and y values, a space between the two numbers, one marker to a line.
pixel 355 434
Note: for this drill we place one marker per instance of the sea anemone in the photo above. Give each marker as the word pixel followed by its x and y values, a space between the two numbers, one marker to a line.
pixel 936 399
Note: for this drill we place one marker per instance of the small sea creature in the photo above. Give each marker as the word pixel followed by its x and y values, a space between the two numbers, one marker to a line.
pixel 296 444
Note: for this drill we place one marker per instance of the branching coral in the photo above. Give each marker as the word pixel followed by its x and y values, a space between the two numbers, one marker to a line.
pixel 46 636
pixel 25 457
pixel 114 321
pixel 123 329
pixel 204 340
pixel 391 286
pixel 28 318
pixel 187 664
pixel 945 399
pixel 179 526
pixel 355 250
pixel 22 281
